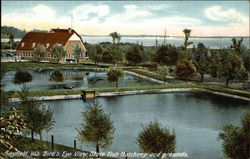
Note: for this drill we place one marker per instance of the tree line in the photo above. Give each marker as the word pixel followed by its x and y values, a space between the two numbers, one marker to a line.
pixel 230 63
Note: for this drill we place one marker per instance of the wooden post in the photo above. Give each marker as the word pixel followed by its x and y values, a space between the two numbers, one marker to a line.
pixel 74 144
pixel 52 142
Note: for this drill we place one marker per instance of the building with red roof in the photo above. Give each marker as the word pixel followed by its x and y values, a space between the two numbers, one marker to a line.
pixel 68 38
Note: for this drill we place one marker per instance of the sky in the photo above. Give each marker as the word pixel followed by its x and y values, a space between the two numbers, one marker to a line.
pixel 204 18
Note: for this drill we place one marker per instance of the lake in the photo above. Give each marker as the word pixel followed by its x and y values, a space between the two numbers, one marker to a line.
pixel 211 42
pixel 79 79
pixel 196 119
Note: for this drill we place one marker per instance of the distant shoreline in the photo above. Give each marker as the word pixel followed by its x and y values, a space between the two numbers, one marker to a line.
pixel 169 36
pixel 158 36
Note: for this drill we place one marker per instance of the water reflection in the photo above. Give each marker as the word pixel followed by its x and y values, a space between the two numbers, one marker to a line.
pixel 196 119
pixel 79 79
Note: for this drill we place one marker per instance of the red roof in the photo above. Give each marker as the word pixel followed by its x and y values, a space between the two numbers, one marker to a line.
pixel 56 36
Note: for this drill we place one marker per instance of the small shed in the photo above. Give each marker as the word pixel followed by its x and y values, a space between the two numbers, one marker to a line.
pixel 88 94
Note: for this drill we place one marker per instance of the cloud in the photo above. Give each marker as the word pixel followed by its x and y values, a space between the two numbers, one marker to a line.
pixel 84 12
pixel 131 19
pixel 215 13
pixel 42 12
pixel 156 7
pixel 39 12
pixel 39 17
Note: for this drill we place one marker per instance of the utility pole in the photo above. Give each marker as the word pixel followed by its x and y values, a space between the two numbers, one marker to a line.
pixel 164 42
pixel 156 41
pixel 71 20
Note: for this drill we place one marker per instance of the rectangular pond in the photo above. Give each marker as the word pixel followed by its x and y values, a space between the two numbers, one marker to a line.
pixel 79 79
pixel 196 119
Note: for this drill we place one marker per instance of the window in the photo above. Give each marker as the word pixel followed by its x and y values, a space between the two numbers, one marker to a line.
pixel 22 45
pixel 33 45
pixel 74 46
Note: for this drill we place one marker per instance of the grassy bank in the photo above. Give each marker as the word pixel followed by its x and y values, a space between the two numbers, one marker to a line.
pixel 38 145
pixel 10 66
pixel 26 144
pixel 153 88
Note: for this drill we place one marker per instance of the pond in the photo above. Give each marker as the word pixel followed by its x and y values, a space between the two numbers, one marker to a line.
pixel 196 119
pixel 79 79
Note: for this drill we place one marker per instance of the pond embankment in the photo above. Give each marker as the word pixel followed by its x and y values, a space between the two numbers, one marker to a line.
pixel 168 88
pixel 133 92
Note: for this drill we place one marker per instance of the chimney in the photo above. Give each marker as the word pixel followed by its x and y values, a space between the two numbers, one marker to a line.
pixel 69 30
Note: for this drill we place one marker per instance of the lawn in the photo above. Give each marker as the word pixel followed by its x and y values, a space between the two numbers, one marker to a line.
pixel 152 89
pixel 9 66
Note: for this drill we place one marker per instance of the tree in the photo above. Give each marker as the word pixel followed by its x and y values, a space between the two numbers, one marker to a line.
pixel 112 55
pixel 108 56
pixel 97 128
pixel 187 33
pixel 57 76
pixel 37 117
pixel 245 55
pixel 163 71
pixel 96 53
pixel 237 45
pixel 116 53
pixel 202 67
pixel 166 55
pixel 58 52
pixel 214 61
pixel 4 97
pixel 230 66
pixel 115 36
pixel 236 140
pixel 201 60
pixel 11 41
pixel 114 74
pixel 185 69
pixel 39 51
pixel 200 51
pixel 22 77
pixel 155 139
pixel 77 53
pixel 10 125
pixel 134 55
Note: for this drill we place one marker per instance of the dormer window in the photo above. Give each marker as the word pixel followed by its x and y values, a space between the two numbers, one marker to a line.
pixel 33 45
pixel 22 45
pixel 47 45
pixel 74 46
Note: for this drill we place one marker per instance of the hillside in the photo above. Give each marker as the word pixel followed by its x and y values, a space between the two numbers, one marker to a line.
pixel 18 33
pixel 7 30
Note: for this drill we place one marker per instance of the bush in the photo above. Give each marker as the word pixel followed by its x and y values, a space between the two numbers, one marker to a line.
pixel 166 55
pixel 154 139
pixel 185 69
pixel 134 55
pixel 22 77
pixel 57 76
pixel 236 140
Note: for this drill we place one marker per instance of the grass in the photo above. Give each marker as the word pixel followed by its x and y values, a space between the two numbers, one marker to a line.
pixel 10 66
pixel 24 144
pixel 219 88
pixel 145 73
pixel 50 93
pixel 150 88
pixel 38 145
